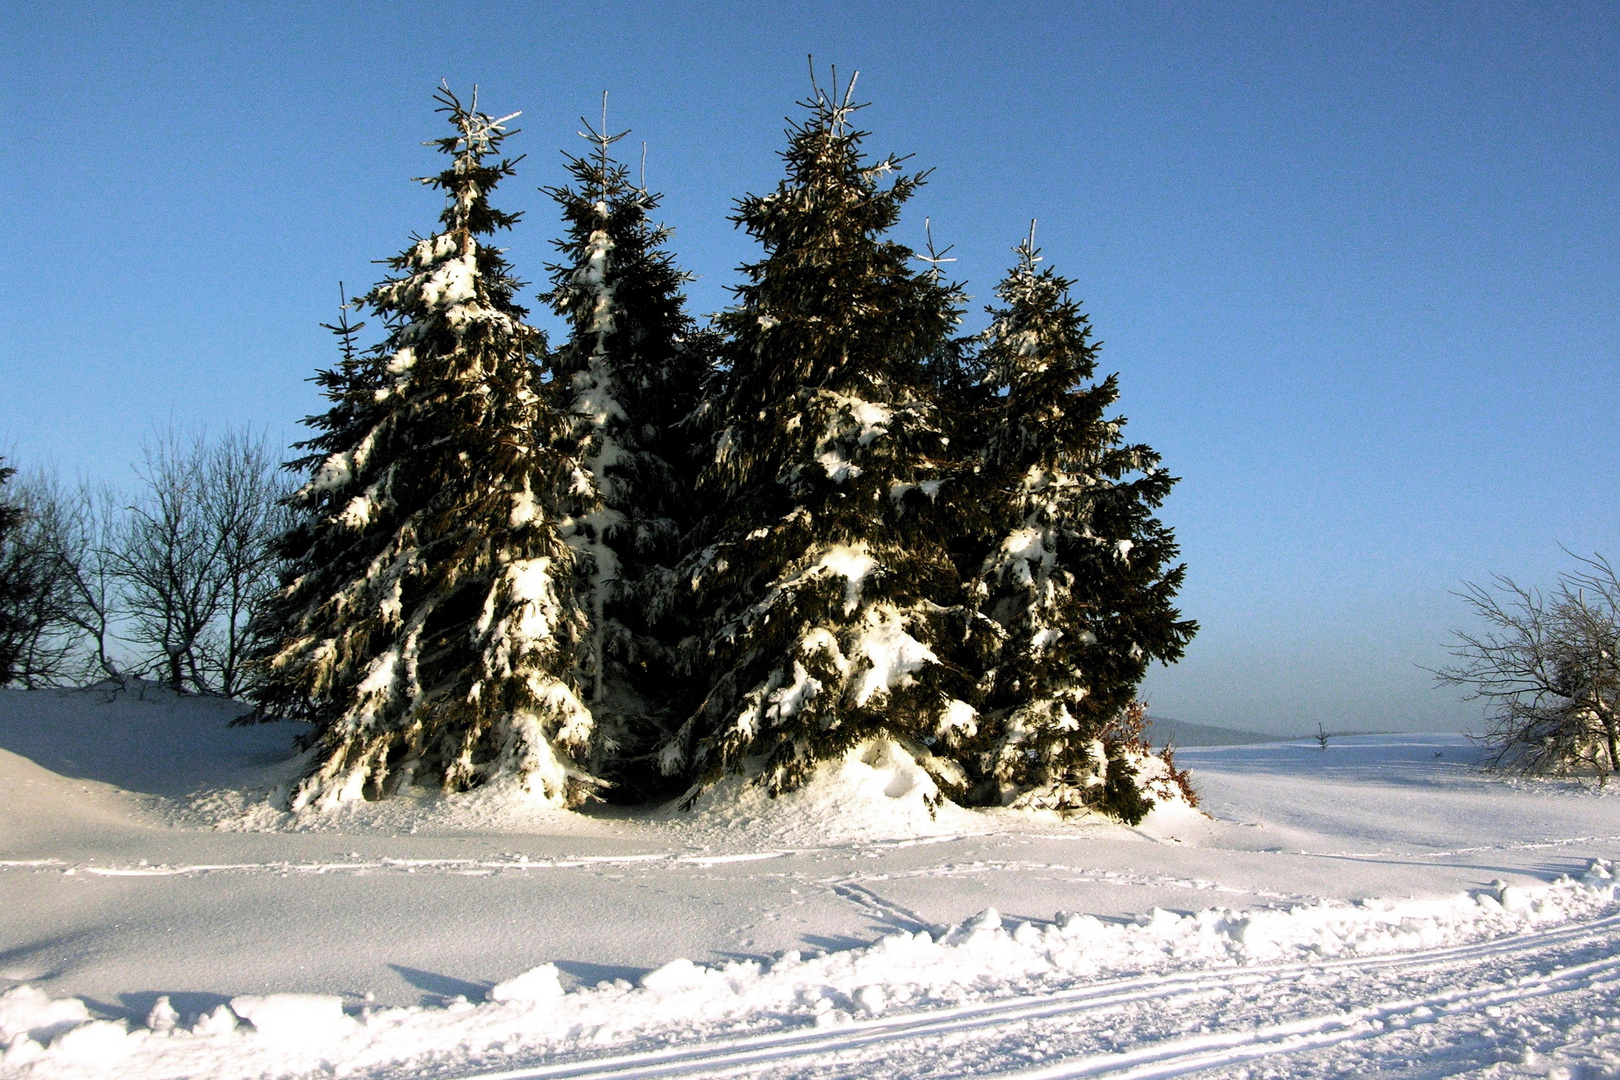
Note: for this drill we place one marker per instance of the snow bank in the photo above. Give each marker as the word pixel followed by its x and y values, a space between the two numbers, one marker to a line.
pixel 29 1013
pixel 876 791
pixel 529 1017
pixel 144 738
pixel 148 740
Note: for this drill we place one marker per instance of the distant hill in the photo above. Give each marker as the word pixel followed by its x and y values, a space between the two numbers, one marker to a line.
pixel 1162 729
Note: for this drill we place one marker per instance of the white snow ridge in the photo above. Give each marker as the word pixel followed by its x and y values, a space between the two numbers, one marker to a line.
pixel 1378 907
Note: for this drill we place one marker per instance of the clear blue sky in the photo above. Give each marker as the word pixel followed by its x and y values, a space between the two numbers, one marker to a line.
pixel 1355 264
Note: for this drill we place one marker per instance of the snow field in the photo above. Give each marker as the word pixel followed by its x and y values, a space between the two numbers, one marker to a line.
pixel 980 974
pixel 159 919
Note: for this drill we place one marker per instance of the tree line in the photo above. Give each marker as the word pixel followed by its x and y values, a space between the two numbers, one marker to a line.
pixel 160 581
pixel 656 553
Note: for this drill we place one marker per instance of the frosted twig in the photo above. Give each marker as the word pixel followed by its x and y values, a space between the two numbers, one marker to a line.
pixel 603 140
pixel 934 258
pixel 1027 249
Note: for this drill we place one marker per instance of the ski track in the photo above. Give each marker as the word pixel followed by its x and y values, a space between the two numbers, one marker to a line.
pixel 844 885
pixel 1236 1009
pixel 884 911
pixel 1532 845
pixel 1082 875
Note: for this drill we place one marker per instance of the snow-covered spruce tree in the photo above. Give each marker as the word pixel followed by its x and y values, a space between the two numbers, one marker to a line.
pixel 427 625
pixel 1075 568
pixel 831 611
pixel 632 370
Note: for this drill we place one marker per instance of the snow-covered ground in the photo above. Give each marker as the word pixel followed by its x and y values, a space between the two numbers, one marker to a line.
pixel 1375 908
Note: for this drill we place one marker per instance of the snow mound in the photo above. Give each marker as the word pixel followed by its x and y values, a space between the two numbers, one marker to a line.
pixel 982 959
pixel 144 738
pixel 505 807
pixel 196 770
pixel 29 1013
pixel 537 984
pixel 876 791
pixel 292 1017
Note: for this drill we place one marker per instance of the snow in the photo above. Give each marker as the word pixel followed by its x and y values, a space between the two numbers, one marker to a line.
pixel 853 563
pixel 959 716
pixel 876 792
pixel 381 676
pixel 537 984
pixel 849 420
pixel 451 283
pixel 525 508
pixel 891 653
pixel 534 593
pixel 1376 907
pixel 335 472
pixel 837 467
pixel 293 1018
pixel 403 359
pixel 26 1012
pixel 874 420
pixel 357 514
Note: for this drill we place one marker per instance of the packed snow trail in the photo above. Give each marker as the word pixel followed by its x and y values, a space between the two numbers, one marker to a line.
pixel 1442 988
pixel 1457 981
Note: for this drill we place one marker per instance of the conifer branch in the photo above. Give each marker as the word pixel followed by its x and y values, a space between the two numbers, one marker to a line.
pixel 934 258
pixel 600 136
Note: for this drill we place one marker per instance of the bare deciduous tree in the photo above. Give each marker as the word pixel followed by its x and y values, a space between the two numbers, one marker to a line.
pixel 165 556
pixel 16 585
pixel 244 505
pixel 1548 668
pixel 89 521
pixel 196 556
pixel 56 551
pixel 167 585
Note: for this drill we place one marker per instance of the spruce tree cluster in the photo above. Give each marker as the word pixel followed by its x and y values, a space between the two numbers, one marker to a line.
pixel 658 554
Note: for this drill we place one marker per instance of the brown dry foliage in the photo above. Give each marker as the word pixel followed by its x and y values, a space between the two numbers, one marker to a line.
pixel 1128 731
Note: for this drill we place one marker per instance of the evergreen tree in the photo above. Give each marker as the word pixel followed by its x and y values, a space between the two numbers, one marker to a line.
pixel 1075 568
pixel 631 371
pixel 427 624
pixel 831 611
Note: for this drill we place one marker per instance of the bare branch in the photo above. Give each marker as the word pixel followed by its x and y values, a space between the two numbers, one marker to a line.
pixel 1548 667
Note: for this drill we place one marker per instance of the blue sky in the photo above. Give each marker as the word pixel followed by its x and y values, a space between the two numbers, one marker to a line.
pixel 1355 264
